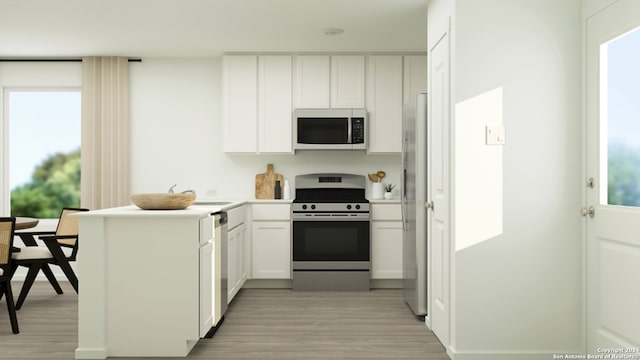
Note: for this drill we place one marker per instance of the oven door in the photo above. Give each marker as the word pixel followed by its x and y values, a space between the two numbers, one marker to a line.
pixel 331 245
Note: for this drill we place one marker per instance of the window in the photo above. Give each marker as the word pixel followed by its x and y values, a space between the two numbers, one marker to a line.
pixel 44 151
pixel 620 114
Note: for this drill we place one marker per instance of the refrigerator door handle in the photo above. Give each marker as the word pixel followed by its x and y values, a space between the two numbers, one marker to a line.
pixel 403 197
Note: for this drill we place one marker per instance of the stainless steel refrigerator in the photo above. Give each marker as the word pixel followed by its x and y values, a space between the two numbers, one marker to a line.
pixel 414 214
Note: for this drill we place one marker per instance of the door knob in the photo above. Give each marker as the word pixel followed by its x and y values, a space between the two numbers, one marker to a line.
pixel 429 205
pixel 591 211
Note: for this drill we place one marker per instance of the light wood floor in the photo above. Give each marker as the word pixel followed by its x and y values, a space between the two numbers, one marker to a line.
pixel 260 324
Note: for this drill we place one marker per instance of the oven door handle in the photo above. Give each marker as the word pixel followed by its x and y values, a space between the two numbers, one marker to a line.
pixel 364 217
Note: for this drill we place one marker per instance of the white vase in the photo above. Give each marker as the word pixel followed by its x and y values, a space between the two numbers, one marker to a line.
pixel 388 195
pixel 377 191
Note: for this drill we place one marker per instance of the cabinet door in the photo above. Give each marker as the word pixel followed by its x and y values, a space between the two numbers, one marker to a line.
pixel 415 76
pixel 386 250
pixel 347 81
pixel 384 103
pixel 242 255
pixel 274 104
pixel 312 82
pixel 239 103
pixel 233 253
pixel 206 287
pixel 271 250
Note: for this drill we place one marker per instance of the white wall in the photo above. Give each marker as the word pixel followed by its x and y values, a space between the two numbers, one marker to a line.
pixel 177 137
pixel 518 292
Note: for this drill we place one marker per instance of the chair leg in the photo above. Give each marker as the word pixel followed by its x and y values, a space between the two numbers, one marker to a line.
pixel 10 306
pixel 62 261
pixel 52 279
pixel 28 282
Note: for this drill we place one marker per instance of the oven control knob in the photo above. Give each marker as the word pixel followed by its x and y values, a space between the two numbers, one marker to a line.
pixel 313 207
pixel 348 207
pixel 304 207
pixel 358 207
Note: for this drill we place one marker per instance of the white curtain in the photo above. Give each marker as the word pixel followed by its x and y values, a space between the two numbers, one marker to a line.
pixel 105 132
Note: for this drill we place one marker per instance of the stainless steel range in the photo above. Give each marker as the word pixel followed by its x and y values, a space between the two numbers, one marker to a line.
pixel 331 242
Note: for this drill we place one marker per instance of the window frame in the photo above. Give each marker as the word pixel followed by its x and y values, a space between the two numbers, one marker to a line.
pixel 5 206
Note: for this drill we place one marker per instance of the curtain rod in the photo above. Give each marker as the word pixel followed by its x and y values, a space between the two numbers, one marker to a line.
pixel 53 60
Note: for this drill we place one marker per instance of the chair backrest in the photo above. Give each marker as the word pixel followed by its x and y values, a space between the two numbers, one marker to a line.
pixel 68 225
pixel 7 228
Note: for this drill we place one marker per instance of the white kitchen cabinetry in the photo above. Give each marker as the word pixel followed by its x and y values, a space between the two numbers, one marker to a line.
pixel 384 103
pixel 146 281
pixel 271 241
pixel 386 241
pixel 347 81
pixel 323 81
pixel 256 103
pixel 240 103
pixel 312 77
pixel 274 104
pixel 206 275
pixel 237 274
pixel 415 76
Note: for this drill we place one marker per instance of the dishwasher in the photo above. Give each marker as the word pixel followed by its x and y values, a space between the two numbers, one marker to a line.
pixel 218 274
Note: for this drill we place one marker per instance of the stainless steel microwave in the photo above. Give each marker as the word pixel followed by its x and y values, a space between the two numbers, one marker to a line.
pixel 329 129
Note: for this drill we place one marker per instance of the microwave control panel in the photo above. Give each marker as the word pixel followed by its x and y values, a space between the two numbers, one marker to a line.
pixel 357 131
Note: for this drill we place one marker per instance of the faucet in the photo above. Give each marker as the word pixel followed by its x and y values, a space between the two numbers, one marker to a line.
pixel 184 192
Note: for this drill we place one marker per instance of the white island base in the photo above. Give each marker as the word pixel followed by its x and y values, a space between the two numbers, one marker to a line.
pixel 139 292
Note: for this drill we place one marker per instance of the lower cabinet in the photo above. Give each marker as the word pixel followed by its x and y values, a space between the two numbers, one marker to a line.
pixel 206 288
pixel 386 241
pixel 237 247
pixel 237 273
pixel 271 241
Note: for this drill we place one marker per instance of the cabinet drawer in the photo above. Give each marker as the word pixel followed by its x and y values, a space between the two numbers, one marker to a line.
pixel 386 212
pixel 236 217
pixel 271 212
pixel 206 229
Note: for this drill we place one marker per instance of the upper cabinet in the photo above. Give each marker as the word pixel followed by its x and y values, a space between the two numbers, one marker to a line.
pixel 312 82
pixel 240 103
pixel 259 93
pixel 256 103
pixel 415 76
pixel 274 104
pixel 347 81
pixel 384 103
pixel 323 81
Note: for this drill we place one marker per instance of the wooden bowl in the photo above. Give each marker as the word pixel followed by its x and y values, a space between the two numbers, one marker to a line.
pixel 163 201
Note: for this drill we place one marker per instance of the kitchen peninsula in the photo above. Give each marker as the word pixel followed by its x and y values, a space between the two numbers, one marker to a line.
pixel 140 276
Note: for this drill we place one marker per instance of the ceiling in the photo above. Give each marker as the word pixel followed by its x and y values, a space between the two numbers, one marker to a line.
pixel 204 28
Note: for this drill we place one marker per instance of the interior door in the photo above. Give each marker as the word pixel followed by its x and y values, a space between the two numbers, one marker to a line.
pixel 438 230
pixel 612 213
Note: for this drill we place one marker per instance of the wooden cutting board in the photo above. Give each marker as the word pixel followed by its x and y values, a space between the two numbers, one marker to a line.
pixel 265 183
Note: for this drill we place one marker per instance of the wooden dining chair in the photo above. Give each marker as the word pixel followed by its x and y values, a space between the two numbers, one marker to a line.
pixel 7 228
pixel 61 247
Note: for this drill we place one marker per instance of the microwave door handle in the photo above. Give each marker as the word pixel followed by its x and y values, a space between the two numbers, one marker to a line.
pixel 349 128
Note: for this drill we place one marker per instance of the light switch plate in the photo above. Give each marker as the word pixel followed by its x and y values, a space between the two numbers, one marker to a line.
pixel 495 135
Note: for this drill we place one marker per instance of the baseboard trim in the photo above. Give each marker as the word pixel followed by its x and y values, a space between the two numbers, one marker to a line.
pixel 268 284
pixel 99 353
pixel 288 284
pixel 386 283
pixel 470 355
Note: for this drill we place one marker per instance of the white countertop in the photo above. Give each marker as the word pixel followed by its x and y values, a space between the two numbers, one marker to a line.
pixel 384 201
pixel 134 211
pixel 200 208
